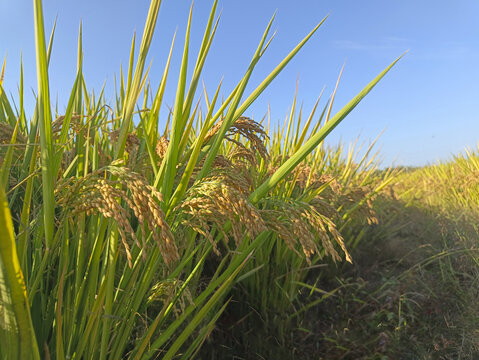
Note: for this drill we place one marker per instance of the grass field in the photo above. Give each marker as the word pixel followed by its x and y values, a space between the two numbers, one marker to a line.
pixel 217 236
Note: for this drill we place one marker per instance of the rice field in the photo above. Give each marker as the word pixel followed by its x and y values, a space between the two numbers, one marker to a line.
pixel 219 236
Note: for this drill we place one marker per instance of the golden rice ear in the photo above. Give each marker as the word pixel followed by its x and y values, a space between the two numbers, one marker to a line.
pixel 252 131
pixel 131 144
pixel 299 223
pixel 217 200
pixel 223 169
pixel 212 132
pixel 94 193
pixel 324 207
pixel 243 154
pixel 161 146
pixel 74 125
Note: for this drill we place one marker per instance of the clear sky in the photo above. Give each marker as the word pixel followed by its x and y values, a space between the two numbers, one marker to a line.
pixel 426 105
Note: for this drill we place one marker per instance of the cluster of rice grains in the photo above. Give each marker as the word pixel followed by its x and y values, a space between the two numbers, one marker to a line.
pixel 136 160
pixel 221 199
pixel 95 193
pixel 300 222
pixel 218 200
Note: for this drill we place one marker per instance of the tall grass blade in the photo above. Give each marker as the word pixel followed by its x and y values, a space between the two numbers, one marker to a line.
pixel 2 74
pixel 45 118
pixel 17 338
pixel 177 125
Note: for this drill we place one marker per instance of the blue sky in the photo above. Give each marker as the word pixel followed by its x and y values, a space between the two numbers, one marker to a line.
pixel 426 105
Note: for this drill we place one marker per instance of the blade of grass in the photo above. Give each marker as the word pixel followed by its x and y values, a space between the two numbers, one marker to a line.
pixel 16 313
pixel 45 117
pixel 177 126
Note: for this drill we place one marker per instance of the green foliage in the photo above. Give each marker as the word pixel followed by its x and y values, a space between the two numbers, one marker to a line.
pixel 131 242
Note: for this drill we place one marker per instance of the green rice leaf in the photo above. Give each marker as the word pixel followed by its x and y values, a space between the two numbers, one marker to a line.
pixel 45 120
pixel 315 140
pixel 17 337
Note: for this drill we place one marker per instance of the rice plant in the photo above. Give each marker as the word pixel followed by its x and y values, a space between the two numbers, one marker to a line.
pixel 323 204
pixel 126 238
